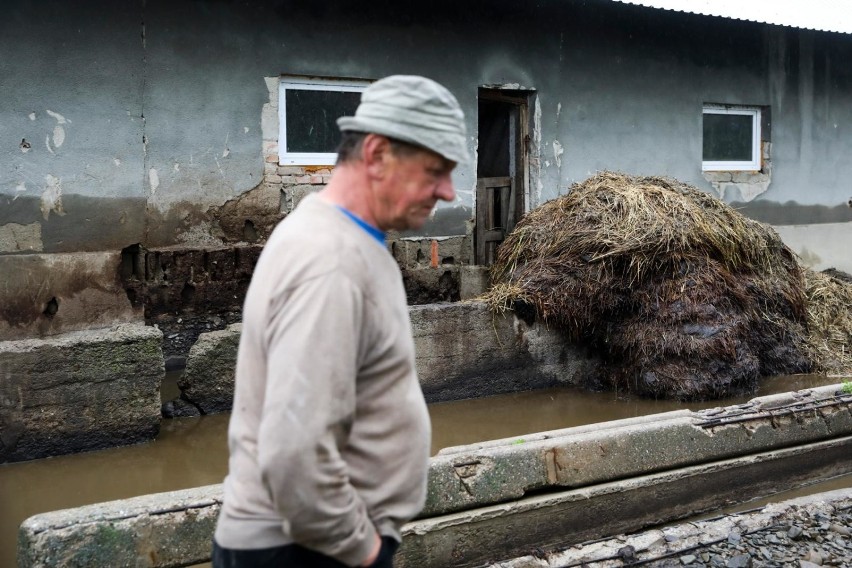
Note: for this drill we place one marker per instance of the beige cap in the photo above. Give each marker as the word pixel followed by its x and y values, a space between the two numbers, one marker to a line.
pixel 412 109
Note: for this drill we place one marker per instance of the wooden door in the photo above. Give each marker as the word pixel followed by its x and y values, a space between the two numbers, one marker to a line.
pixel 494 205
pixel 502 166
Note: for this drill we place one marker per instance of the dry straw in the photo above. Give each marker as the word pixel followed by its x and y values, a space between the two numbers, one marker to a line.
pixel 680 295
pixel 830 322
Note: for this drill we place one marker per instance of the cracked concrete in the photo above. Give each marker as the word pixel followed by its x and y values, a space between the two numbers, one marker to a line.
pixel 666 546
pixel 463 351
pixel 79 391
pixel 499 499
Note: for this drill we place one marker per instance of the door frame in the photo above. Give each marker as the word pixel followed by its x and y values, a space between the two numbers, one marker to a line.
pixel 518 194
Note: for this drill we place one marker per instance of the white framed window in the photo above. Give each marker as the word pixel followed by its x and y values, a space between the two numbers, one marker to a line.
pixel 308 110
pixel 731 138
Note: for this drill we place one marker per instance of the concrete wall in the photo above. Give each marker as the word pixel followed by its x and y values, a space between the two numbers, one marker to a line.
pixel 463 351
pixel 149 122
pixel 71 124
pixel 83 390
pixel 160 103
pixel 500 499
pixel 49 294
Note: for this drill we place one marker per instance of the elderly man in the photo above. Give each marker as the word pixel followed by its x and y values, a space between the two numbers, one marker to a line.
pixel 329 436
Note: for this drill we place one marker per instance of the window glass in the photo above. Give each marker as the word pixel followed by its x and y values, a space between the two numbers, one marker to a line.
pixel 312 118
pixel 728 137
pixel 308 109
pixel 731 138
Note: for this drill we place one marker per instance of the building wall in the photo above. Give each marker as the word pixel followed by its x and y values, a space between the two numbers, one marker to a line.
pixel 144 122
pixel 71 161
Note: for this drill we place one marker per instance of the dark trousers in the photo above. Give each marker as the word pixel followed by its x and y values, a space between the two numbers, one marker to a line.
pixel 292 556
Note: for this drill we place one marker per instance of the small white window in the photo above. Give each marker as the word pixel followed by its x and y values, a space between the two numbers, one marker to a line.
pixel 308 110
pixel 731 138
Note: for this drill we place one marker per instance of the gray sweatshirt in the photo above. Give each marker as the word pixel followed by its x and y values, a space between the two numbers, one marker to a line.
pixel 329 435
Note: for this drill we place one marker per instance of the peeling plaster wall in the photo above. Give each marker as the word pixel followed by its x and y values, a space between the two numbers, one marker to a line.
pixel 143 122
pixel 161 105
pixel 50 294
pixel 71 124
pixel 222 59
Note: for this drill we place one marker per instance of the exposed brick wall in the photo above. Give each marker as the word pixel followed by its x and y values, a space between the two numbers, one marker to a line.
pixel 185 291
pixel 294 182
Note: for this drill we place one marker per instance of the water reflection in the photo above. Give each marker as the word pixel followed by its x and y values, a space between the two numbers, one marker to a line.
pixel 189 452
pixel 505 416
pixel 192 452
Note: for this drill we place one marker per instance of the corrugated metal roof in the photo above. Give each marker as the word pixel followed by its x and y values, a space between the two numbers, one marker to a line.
pixel 821 15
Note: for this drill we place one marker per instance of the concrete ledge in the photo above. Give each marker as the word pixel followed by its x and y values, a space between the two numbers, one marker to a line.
pixel 208 381
pixel 79 391
pixel 463 351
pixel 503 470
pixel 627 480
pixel 174 529
pixel 496 532
pixel 672 541
pixel 165 529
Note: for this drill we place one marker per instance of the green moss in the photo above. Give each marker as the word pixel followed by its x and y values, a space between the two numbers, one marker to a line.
pixel 847 387
pixel 108 546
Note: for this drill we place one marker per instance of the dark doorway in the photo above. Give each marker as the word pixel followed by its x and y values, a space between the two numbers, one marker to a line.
pixel 501 168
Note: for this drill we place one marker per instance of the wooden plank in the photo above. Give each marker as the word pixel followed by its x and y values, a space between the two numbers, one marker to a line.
pixel 494 235
pixel 511 207
pixel 479 229
pixel 491 219
pixel 505 212
pixel 494 181
pixel 493 198
pixel 488 95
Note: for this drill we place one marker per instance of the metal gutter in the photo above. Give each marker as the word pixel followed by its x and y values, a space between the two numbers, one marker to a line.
pixel 817 15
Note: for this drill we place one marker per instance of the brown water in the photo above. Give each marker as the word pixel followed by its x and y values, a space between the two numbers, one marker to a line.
pixel 191 452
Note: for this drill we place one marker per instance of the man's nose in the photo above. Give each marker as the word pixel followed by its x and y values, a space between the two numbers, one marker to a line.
pixel 445 190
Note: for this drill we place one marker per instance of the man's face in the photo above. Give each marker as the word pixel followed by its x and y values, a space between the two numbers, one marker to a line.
pixel 412 185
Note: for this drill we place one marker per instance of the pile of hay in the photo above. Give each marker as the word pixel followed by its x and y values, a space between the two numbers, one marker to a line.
pixel 680 295
pixel 829 309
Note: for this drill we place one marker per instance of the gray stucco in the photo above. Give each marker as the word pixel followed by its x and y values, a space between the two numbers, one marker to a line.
pixel 72 84
pixel 161 101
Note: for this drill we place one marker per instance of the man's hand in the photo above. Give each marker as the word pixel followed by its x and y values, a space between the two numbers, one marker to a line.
pixel 374 553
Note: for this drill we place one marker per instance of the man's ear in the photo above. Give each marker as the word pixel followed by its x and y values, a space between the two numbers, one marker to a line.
pixel 375 152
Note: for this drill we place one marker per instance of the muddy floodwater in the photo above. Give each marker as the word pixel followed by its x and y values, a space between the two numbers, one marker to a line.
pixel 191 452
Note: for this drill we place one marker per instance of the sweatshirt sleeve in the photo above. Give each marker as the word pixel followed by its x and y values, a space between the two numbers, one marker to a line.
pixel 312 343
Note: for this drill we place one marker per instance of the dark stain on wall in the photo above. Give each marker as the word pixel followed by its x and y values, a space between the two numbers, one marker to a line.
pixel 248 218
pixel 88 223
pixel 792 213
pixel 447 221
pixel 251 217
pixel 163 228
pixel 431 285
pixel 42 298
pixel 97 223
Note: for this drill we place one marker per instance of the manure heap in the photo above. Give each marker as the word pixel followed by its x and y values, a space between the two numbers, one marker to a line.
pixel 679 295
